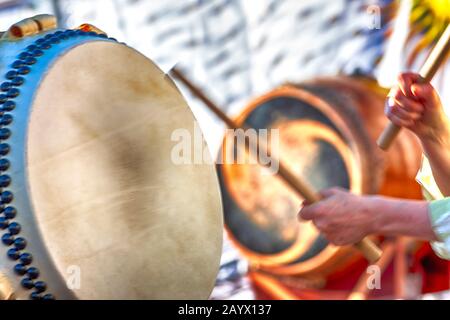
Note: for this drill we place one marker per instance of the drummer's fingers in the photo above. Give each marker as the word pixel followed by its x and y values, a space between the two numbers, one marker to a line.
pixel 401 112
pixel 322 225
pixel 309 212
pixel 326 193
pixel 405 81
pixel 399 121
pixel 403 108
pixel 306 203
pixel 426 93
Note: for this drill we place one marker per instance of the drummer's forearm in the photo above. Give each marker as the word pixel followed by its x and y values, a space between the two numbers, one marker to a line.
pixel 438 152
pixel 402 217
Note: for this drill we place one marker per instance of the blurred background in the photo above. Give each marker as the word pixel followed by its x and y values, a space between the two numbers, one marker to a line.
pixel 238 50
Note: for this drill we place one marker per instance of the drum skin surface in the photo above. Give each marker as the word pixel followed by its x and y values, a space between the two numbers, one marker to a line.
pixel 327 129
pixel 105 211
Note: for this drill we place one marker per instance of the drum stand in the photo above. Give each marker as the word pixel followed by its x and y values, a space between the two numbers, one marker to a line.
pixel 394 251
pixel 362 289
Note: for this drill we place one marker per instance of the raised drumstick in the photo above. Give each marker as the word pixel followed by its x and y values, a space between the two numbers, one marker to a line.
pixel 431 65
pixel 369 249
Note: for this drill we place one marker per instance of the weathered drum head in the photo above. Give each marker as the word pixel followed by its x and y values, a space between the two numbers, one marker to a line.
pixel 109 203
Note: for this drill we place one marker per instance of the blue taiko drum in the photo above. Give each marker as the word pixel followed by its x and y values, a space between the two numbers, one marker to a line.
pixel 92 205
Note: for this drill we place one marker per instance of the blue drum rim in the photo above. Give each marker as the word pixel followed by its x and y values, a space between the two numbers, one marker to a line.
pixel 25 74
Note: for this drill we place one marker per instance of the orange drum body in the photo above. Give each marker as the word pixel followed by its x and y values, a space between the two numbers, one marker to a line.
pixel 327 133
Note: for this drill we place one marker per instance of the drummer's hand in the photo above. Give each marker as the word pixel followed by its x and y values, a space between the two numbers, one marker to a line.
pixel 342 217
pixel 416 106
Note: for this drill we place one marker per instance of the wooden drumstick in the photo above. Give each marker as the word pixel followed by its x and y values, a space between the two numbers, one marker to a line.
pixel 437 56
pixel 369 249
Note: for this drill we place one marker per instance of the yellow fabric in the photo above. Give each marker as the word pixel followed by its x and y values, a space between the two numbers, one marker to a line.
pixel 426 180
pixel 439 210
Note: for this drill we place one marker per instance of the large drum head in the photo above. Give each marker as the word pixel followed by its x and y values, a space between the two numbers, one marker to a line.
pixel 108 199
